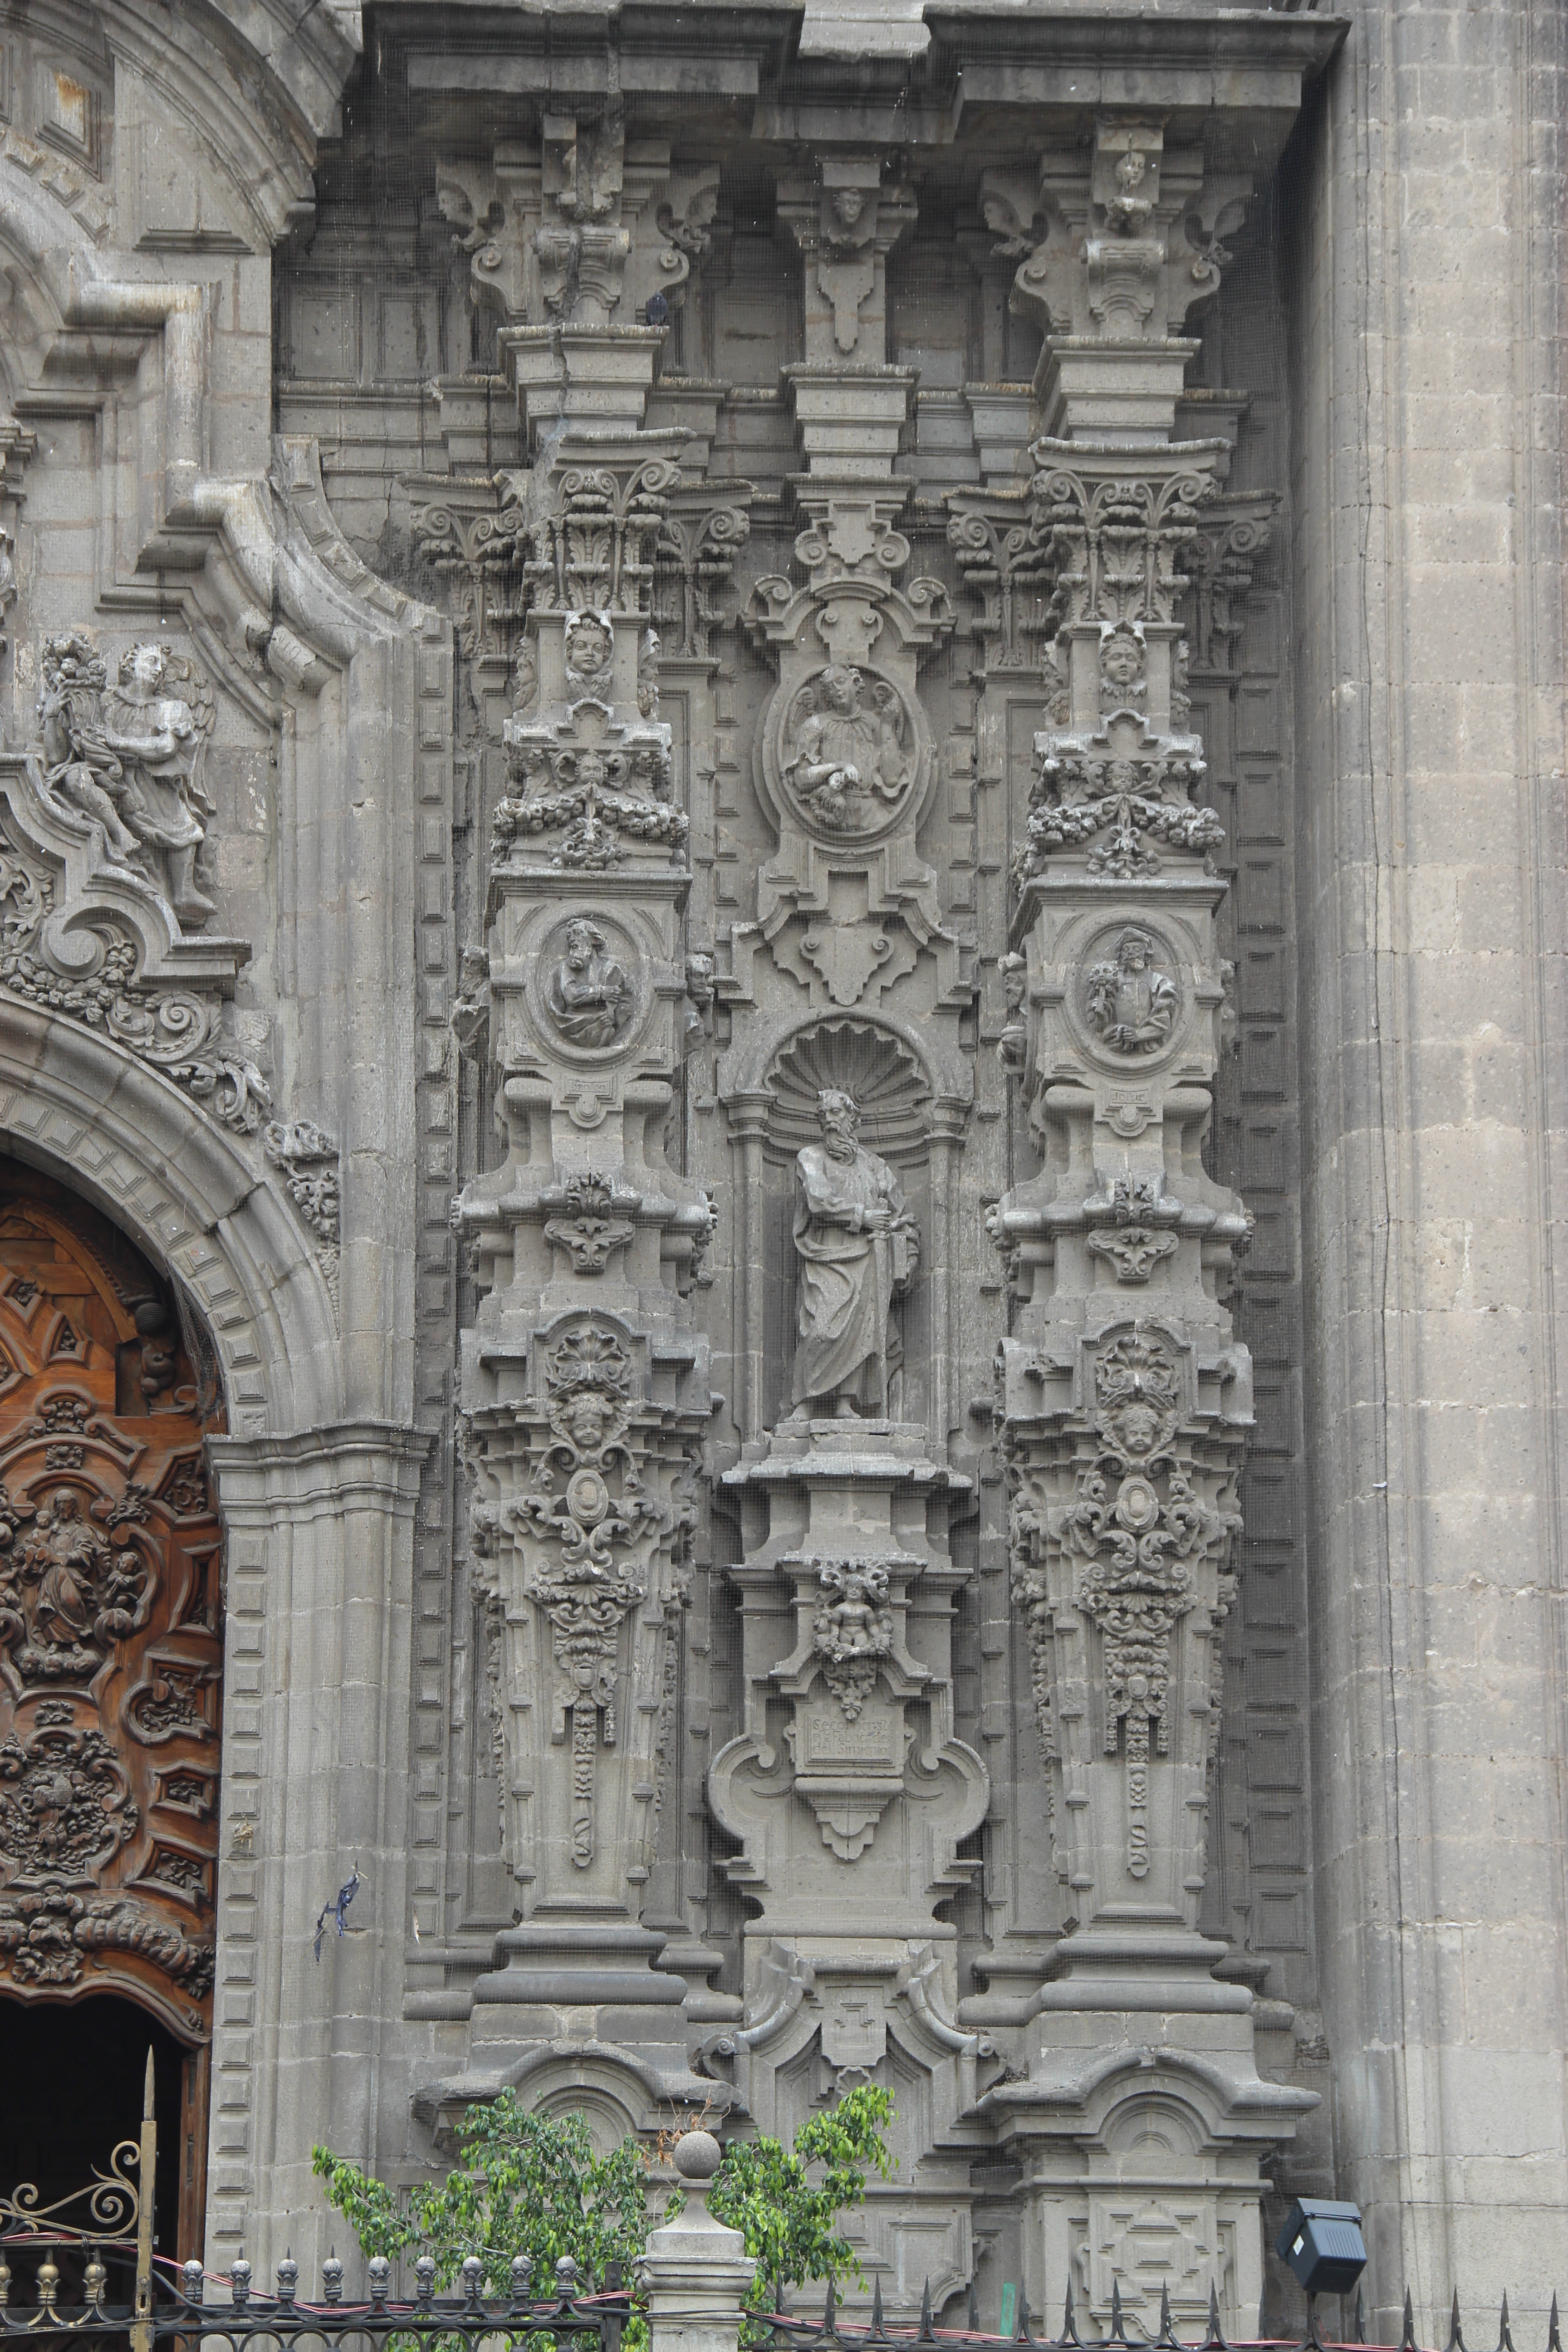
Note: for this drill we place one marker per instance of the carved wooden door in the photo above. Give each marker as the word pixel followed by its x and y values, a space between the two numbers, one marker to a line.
pixel 110 1637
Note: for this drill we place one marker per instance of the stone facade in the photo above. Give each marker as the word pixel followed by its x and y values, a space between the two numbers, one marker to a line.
pixel 782 797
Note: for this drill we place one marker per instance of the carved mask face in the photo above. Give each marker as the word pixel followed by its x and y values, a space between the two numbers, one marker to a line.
pixel 1121 660
pixel 1140 1428
pixel 588 1419
pixel 588 643
pixel 848 205
pixel 147 669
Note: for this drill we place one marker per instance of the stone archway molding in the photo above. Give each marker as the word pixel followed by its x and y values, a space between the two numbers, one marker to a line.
pixel 76 1105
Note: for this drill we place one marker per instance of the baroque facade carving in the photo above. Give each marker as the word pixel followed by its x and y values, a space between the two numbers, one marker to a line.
pixel 763 1232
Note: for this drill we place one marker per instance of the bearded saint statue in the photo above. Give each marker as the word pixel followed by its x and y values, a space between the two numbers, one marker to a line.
pixel 858 1248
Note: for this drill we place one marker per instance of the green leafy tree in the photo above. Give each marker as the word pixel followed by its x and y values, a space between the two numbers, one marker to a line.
pixel 793 2225
pixel 532 2184
pixel 527 2184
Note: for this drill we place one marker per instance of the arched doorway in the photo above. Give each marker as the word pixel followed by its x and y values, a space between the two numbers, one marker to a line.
pixel 110 1658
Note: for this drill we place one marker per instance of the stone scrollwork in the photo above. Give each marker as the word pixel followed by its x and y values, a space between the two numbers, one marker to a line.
pixel 308 1159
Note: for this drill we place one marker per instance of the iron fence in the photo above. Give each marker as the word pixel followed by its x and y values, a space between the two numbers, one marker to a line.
pixel 169 2303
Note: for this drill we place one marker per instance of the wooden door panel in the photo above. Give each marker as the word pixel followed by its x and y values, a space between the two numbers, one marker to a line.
pixel 111 1628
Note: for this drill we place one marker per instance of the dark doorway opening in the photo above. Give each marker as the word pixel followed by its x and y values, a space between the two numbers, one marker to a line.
pixel 70 2090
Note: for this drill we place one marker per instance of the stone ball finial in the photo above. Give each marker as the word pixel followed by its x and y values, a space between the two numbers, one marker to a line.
pixel 698 2156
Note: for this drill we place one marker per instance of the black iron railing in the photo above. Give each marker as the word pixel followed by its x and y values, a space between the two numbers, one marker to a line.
pixel 790 2332
pixel 172 2304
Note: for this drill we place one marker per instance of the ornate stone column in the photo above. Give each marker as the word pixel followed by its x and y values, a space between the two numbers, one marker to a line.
pixel 585 1384
pixel 1124 1395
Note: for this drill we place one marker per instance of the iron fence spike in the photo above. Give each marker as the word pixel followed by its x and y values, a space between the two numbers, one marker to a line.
pixel 1070 2324
pixel 1455 2332
pixel 1407 2339
pixel 878 2330
pixel 1505 2339
pixel 973 2309
pixel 1021 2324
pixel 1215 2340
pixel 1358 2324
pixel 1554 2336
pixel 927 2333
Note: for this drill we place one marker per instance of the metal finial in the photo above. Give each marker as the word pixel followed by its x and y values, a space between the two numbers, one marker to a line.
pixel 333 2278
pixel 424 2281
pixel 240 2280
pixel 521 2280
pixel 380 2276
pixel 194 2279
pixel 288 2278
pixel 148 2109
pixel 473 2275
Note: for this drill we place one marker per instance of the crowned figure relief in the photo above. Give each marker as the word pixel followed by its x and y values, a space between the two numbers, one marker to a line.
pixel 848 760
pixel 859 1248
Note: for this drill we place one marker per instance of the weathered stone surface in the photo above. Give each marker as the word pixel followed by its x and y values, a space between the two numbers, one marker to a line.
pixel 580 598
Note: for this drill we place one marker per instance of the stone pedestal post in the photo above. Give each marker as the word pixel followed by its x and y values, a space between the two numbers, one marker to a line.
pixel 695 2270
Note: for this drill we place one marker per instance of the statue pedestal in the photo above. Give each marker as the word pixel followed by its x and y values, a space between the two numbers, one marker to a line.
pixel 850 1798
